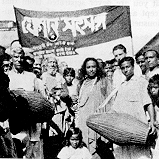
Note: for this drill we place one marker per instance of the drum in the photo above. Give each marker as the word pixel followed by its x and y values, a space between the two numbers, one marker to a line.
pixel 34 105
pixel 120 128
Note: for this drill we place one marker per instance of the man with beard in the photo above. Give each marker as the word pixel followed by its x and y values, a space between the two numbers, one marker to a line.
pixel 55 90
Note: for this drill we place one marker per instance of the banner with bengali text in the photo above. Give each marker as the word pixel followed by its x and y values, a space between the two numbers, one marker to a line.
pixel 62 33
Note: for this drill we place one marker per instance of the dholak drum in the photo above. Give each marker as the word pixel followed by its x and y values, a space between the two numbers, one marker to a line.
pixel 30 108
pixel 119 128
pixel 34 105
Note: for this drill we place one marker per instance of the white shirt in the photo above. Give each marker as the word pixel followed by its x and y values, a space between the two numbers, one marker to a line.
pixel 152 73
pixel 119 77
pixel 24 80
pixel 71 153
pixel 52 81
pixel 73 88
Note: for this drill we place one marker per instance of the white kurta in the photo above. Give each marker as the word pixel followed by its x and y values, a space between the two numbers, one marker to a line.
pixel 69 152
pixel 131 98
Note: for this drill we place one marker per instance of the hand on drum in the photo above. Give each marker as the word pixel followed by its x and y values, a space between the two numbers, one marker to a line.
pixel 156 124
pixel 74 99
pixel 152 128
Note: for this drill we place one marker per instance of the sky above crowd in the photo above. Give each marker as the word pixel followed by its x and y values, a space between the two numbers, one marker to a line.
pixel 144 13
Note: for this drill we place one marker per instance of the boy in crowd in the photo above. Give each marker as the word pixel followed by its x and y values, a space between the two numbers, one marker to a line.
pixel 153 90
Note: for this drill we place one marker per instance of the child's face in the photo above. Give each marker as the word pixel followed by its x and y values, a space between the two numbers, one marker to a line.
pixel 154 89
pixel 69 79
pixel 74 141
pixel 6 66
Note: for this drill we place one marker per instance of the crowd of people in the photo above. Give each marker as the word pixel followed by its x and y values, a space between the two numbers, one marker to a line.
pixel 75 95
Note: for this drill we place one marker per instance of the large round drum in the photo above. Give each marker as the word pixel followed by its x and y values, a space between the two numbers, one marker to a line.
pixel 119 128
pixel 34 106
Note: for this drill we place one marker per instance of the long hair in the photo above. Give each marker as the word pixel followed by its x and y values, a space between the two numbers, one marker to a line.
pixel 74 131
pixel 83 73
pixel 153 80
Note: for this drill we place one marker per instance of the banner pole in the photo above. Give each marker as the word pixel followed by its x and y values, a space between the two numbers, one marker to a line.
pixel 132 45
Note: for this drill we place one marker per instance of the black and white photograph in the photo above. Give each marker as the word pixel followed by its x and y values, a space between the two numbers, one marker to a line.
pixel 79 79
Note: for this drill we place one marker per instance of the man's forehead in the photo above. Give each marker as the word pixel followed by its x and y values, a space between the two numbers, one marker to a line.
pixel 52 59
pixel 150 53
pixel 37 62
pixel 119 51
pixel 125 63
pixel 140 58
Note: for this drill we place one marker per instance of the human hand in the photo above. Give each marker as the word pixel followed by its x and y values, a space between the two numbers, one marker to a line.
pixel 156 124
pixel 152 128
pixel 75 107
pixel 74 99
pixel 58 93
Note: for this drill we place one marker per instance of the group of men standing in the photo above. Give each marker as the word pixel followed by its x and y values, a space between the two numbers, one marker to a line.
pixel 22 79
pixel 131 83
pixel 130 80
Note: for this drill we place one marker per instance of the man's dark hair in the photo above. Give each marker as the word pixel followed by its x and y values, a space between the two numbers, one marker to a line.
pixel 128 58
pixel 138 55
pixel 153 80
pixel 29 58
pixel 113 60
pixel 2 53
pixel 27 66
pixel 120 46
pixel 2 50
pixel 14 42
pixel 108 62
pixel 69 71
